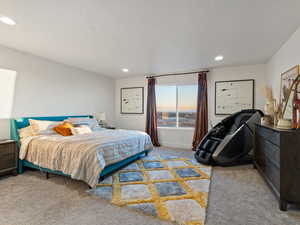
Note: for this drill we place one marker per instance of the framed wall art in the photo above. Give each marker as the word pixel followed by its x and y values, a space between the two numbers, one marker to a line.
pixel 233 96
pixel 132 100
pixel 287 90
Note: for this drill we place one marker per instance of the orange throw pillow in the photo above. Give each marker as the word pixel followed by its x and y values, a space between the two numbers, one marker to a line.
pixel 64 129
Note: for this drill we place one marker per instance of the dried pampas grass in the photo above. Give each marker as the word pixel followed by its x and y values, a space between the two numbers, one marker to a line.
pixel 268 93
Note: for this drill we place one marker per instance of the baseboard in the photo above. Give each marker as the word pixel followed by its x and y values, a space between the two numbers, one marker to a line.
pixel 176 145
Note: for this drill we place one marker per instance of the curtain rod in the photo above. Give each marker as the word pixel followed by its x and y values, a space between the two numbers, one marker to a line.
pixel 176 74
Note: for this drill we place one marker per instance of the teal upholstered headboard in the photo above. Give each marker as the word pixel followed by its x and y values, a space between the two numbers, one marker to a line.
pixel 18 123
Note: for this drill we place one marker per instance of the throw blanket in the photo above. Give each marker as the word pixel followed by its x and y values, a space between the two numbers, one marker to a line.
pixel 83 157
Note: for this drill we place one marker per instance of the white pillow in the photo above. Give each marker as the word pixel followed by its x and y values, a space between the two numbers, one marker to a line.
pixel 81 130
pixel 25 132
pixel 78 121
pixel 42 126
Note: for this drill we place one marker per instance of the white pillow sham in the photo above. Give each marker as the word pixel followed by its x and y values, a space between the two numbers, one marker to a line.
pixel 83 129
pixel 25 132
pixel 78 121
pixel 40 127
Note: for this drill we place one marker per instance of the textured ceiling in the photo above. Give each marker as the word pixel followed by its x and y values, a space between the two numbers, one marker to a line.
pixel 149 36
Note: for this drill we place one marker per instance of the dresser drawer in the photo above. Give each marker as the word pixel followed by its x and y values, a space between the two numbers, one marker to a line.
pixel 7 148
pixel 268 150
pixel 270 135
pixel 8 161
pixel 270 171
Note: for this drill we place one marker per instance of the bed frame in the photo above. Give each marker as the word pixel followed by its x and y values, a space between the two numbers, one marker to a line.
pixel 19 123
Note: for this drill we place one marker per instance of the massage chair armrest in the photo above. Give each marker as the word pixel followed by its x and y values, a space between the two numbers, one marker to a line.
pixel 204 139
pixel 206 148
pixel 237 143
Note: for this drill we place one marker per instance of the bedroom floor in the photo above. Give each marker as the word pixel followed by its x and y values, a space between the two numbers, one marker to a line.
pixel 238 196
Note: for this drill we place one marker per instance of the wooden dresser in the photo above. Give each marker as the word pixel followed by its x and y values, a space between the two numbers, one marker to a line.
pixel 277 159
pixel 8 157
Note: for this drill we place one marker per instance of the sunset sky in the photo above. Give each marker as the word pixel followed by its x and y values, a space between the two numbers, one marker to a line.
pixel 166 98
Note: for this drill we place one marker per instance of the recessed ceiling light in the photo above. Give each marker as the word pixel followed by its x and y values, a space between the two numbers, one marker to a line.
pixel 125 70
pixel 7 20
pixel 219 58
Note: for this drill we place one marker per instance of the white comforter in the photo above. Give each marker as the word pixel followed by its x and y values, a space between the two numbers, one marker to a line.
pixel 84 156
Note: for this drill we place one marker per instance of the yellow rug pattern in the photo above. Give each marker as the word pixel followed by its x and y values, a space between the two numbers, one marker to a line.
pixel 168 187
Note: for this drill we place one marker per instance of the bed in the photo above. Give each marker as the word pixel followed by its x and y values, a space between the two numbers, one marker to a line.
pixel 111 149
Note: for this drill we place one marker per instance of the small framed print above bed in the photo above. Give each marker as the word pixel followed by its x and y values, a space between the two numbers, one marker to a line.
pixel 132 100
pixel 233 95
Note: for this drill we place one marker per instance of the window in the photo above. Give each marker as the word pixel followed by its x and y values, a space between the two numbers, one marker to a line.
pixel 7 91
pixel 176 105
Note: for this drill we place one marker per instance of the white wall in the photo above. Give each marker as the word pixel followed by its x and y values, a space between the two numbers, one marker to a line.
pixel 182 138
pixel 130 121
pixel 287 57
pixel 256 72
pixel 45 88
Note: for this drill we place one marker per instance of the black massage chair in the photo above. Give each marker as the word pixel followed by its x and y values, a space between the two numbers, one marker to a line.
pixel 230 141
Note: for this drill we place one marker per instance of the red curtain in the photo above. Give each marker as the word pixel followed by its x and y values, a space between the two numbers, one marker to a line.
pixel 201 125
pixel 151 120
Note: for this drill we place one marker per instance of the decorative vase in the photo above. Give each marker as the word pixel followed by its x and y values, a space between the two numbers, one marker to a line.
pixel 284 124
pixel 269 108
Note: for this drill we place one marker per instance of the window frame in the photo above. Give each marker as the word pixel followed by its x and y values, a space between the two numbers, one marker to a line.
pixel 177 111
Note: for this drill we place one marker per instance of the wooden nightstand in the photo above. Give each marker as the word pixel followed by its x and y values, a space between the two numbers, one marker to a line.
pixel 8 157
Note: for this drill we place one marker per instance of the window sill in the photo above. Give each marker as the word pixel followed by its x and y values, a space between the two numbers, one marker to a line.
pixel 176 128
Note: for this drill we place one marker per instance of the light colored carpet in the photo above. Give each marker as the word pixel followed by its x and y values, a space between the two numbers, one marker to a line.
pixel 238 196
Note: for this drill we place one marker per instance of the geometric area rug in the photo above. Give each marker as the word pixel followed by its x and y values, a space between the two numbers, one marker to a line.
pixel 167 187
